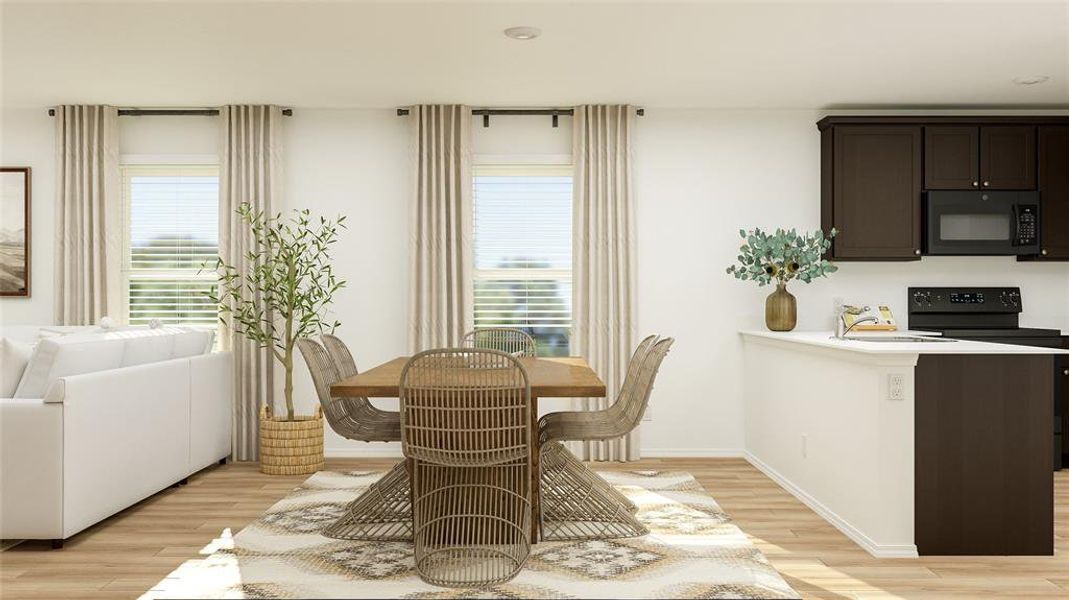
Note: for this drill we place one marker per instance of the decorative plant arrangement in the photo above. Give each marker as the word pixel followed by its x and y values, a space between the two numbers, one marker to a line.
pixel 281 298
pixel 780 257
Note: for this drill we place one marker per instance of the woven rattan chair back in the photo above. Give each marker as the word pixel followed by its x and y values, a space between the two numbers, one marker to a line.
pixel 465 429
pixel 629 408
pixel 339 353
pixel 465 407
pixel 505 339
pixel 352 418
pixel 322 369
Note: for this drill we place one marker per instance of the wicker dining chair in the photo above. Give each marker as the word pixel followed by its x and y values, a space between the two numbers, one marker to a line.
pixel 383 512
pixel 466 432
pixel 509 340
pixel 564 478
pixel 574 467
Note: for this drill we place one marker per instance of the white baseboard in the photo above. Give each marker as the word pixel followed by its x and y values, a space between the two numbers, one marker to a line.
pixel 692 453
pixel 859 538
pixel 372 451
pixel 384 451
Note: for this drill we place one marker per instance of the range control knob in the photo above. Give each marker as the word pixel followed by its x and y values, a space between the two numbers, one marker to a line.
pixel 922 298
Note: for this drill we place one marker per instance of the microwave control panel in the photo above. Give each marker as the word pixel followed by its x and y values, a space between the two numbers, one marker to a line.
pixel 1026 224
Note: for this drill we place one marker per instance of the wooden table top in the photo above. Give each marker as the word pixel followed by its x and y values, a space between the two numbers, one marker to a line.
pixel 565 377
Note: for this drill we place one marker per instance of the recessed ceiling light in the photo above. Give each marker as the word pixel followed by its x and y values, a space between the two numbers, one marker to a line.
pixel 1030 79
pixel 523 33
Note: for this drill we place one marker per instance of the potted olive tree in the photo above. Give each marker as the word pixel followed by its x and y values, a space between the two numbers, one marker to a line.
pixel 280 297
pixel 781 257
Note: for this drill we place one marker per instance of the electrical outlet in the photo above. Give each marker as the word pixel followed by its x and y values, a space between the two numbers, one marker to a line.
pixel 836 305
pixel 805 446
pixel 896 386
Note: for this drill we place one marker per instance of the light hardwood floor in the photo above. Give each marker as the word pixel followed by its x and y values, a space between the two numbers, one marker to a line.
pixel 129 553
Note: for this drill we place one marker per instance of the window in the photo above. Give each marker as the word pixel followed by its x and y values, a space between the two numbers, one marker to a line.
pixel 523 251
pixel 171 216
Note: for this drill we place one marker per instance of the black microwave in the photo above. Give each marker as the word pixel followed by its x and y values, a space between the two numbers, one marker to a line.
pixel 981 223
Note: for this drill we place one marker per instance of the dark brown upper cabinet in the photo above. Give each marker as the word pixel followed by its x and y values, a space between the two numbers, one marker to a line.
pixel 951 157
pixel 1008 157
pixel 990 157
pixel 1054 191
pixel 872 177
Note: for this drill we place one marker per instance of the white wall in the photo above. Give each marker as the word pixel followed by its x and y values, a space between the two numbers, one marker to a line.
pixel 700 176
pixel 27 140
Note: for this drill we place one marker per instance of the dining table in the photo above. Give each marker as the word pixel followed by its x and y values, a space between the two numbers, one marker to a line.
pixel 548 377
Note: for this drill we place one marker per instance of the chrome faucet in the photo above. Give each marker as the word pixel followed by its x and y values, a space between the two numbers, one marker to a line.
pixel 840 320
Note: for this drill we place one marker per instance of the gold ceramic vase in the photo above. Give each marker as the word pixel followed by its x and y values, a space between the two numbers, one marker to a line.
pixel 781 309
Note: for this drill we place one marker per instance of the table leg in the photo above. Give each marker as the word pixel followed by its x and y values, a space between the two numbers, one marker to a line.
pixel 536 475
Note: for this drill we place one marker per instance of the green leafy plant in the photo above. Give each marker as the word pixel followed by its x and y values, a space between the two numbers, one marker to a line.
pixel 782 256
pixel 290 283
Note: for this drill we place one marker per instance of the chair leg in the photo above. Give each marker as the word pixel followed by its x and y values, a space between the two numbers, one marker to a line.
pixel 577 467
pixel 57 544
pixel 576 507
pixel 382 513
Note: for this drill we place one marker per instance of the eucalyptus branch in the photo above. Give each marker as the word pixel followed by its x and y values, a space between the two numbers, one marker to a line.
pixel 783 256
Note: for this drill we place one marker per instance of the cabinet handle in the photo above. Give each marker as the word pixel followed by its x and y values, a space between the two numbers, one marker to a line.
pixel 917 252
pixel 987 183
pixel 975 184
pixel 1043 252
pixel 1065 372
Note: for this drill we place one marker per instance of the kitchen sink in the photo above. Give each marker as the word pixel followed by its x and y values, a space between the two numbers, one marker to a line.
pixel 901 339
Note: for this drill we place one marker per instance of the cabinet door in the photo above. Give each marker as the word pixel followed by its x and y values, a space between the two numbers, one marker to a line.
pixel 1054 191
pixel 877 192
pixel 951 157
pixel 1008 157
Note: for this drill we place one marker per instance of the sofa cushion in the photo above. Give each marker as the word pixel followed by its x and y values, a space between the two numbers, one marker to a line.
pixel 14 357
pixel 145 349
pixel 192 342
pixel 67 355
pixel 80 353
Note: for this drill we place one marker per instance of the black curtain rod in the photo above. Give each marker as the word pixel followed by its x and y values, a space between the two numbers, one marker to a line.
pixel 485 113
pixel 171 112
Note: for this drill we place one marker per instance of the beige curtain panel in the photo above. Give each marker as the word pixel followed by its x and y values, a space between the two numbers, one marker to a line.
pixel 250 172
pixel 88 215
pixel 603 260
pixel 440 304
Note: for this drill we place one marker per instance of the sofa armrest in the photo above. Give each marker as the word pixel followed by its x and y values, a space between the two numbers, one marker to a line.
pixel 31 469
pixel 125 437
pixel 211 408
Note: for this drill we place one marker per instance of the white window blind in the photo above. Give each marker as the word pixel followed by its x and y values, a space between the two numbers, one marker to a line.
pixel 523 251
pixel 172 242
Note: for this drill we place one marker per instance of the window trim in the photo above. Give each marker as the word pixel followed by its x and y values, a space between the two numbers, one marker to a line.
pixel 131 167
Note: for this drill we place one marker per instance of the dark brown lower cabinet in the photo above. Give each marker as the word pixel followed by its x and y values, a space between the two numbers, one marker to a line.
pixel 984 483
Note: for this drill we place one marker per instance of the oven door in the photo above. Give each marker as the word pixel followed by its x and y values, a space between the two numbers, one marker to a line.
pixel 982 223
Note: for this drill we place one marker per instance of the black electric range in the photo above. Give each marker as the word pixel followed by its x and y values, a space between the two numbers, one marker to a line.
pixel 988 314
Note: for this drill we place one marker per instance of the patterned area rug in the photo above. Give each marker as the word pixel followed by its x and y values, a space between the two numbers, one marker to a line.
pixel 692 551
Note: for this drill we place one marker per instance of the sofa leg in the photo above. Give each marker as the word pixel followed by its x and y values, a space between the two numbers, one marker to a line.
pixel 57 544
pixel 184 481
pixel 222 461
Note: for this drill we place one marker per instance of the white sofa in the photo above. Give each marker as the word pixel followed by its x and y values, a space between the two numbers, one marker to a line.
pixel 102 420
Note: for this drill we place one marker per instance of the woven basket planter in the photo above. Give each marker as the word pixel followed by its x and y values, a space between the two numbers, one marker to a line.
pixel 291 447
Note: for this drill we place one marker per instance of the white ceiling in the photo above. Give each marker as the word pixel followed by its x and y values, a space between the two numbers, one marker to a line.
pixel 698 54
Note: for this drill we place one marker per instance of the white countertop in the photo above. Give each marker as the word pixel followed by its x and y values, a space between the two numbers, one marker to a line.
pixel 826 339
